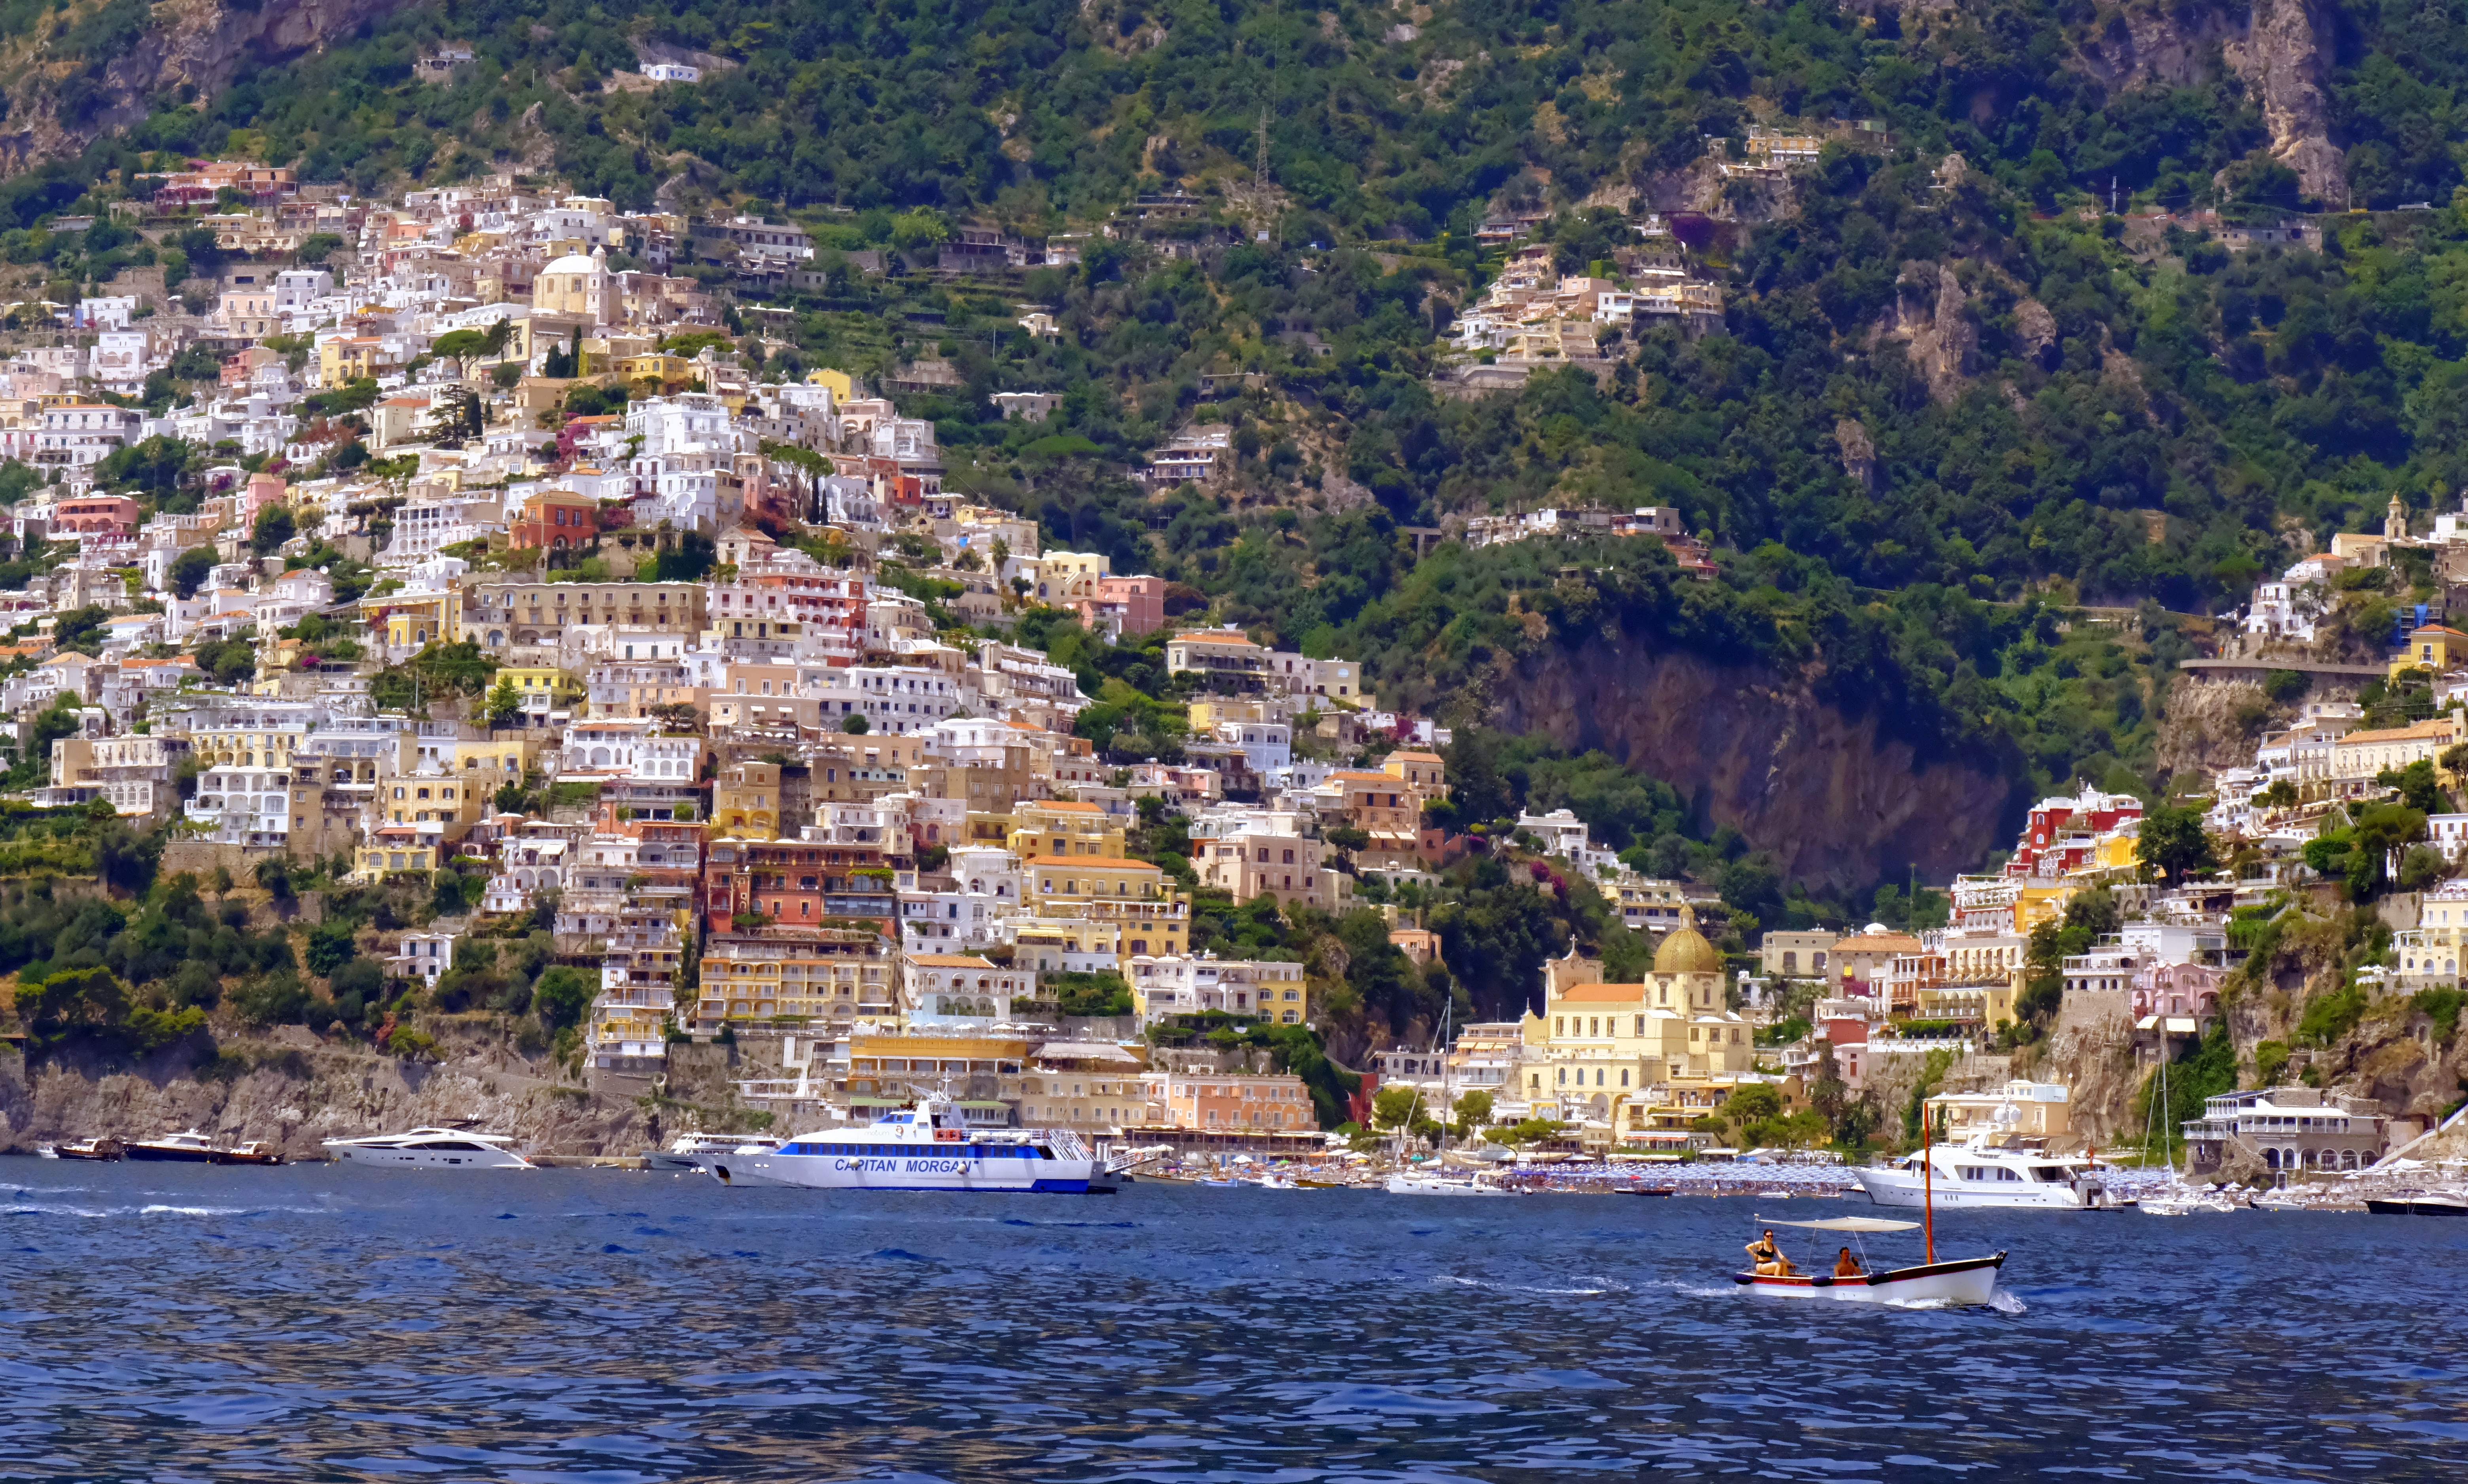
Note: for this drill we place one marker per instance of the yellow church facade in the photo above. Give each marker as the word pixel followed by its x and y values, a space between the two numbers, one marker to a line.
pixel 1597 1047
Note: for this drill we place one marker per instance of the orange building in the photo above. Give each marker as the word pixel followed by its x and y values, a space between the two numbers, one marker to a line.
pixel 555 521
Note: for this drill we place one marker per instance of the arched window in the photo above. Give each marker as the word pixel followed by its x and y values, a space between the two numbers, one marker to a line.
pixel 2271 1160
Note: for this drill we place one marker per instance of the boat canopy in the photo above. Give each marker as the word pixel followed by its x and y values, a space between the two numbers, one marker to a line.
pixel 1846 1224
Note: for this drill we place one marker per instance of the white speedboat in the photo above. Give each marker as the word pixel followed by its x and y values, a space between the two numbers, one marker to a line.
pixel 929 1147
pixel 1977 1173
pixel 430 1149
pixel 687 1153
pixel 1411 1183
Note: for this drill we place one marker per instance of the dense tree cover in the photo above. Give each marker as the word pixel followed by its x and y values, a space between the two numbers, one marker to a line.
pixel 2133 420
pixel 1039 107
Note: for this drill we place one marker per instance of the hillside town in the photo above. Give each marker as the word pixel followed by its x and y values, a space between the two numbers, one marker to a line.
pixel 708 684
pixel 510 576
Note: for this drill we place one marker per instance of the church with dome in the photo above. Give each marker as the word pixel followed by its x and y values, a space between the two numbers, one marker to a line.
pixel 1596 1048
pixel 575 286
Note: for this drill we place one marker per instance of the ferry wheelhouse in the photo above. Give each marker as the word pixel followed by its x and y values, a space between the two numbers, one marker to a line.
pixel 929 1147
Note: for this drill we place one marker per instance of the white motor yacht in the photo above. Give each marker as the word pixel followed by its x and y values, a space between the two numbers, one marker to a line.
pixel 928 1148
pixel 188 1147
pixel 431 1149
pixel 687 1153
pixel 1978 1174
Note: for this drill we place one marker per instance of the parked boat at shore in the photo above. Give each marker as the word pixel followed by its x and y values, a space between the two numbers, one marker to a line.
pixel 929 1147
pixel 2419 1203
pixel 256 1151
pixel 1416 1184
pixel 188 1147
pixel 430 1149
pixel 687 1152
pixel 84 1149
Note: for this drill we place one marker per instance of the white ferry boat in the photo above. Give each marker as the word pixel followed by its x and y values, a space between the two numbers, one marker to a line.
pixel 928 1148
pixel 1981 1175
pixel 430 1149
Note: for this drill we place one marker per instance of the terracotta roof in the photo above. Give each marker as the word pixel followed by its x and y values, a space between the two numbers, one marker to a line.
pixel 1603 994
pixel 1101 863
pixel 2438 727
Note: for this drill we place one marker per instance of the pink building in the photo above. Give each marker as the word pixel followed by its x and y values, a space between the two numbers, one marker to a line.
pixel 2177 991
pixel 96 514
pixel 263 489
pixel 1137 604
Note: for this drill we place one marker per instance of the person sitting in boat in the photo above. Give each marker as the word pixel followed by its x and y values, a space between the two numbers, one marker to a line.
pixel 1847 1267
pixel 1768 1258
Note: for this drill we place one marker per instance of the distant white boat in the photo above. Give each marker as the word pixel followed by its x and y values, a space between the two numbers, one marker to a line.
pixel 1979 1174
pixel 687 1153
pixel 1408 1183
pixel 430 1149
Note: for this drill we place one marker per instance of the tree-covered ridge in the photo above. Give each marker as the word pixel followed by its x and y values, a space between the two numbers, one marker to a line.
pixel 1380 120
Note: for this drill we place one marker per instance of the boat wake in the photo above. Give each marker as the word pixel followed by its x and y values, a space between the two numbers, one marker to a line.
pixel 1606 1285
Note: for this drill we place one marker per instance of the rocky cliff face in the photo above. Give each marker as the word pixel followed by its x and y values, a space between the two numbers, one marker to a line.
pixel 293 1089
pixel 2175 46
pixel 196 43
pixel 2285 58
pixel 1830 796
pixel 1931 315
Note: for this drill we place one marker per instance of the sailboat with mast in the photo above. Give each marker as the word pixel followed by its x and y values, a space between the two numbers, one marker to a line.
pixel 1967 1280
pixel 2177 1199
pixel 1436 1182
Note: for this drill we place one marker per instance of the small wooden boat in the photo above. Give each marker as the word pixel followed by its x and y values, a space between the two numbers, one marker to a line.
pixel 255 1152
pixel 85 1149
pixel 1969 1280
pixel 1320 1184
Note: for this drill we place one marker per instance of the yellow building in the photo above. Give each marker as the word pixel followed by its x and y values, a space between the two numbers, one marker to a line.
pixel 745 802
pixel 543 687
pixel 347 359
pixel 1984 1003
pixel 1133 894
pixel 1051 945
pixel 2037 905
pixel 842 387
pixel 2433 647
pixel 395 850
pixel 248 741
pixel 1594 1042
pixel 655 366
pixel 834 975
pixel 1058 826
pixel 413 620
pixel 984 1072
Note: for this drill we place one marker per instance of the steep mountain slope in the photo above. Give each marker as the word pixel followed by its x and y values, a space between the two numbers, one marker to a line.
pixel 1947 380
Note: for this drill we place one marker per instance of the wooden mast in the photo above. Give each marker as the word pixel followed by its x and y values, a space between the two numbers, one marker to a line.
pixel 1927 1182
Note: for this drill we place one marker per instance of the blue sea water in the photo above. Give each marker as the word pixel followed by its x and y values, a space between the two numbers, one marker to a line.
pixel 609 1327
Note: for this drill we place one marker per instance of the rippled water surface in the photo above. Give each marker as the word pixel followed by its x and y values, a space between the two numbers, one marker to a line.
pixel 170 1323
